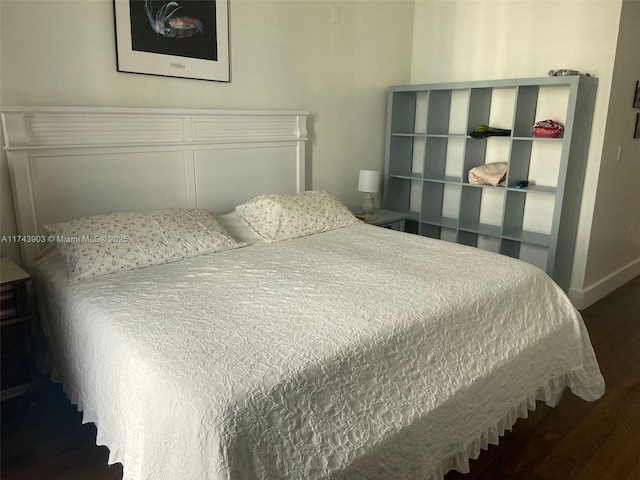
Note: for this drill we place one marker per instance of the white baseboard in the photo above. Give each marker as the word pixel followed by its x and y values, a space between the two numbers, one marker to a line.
pixel 600 289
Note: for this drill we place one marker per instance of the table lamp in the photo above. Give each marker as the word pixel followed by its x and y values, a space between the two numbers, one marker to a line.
pixel 369 183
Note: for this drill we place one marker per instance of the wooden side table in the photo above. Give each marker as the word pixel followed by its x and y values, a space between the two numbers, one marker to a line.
pixel 19 372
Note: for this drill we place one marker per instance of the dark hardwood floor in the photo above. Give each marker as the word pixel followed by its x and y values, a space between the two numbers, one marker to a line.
pixel 42 435
pixel 577 439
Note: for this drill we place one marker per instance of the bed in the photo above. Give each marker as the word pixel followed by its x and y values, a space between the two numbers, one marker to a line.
pixel 340 352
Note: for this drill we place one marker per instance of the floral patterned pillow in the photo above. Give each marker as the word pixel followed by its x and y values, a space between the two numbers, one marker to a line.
pixel 94 246
pixel 283 217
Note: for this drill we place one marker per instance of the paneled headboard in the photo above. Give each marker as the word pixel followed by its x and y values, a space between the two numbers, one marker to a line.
pixel 68 162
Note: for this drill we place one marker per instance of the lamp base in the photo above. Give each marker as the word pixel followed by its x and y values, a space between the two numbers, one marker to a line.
pixel 367 203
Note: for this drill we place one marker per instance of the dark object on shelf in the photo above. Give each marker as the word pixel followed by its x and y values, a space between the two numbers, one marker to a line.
pixel 483 131
pixel 546 129
pixel 522 184
pixel 563 72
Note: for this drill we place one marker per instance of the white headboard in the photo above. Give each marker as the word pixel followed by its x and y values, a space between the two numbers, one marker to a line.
pixel 67 162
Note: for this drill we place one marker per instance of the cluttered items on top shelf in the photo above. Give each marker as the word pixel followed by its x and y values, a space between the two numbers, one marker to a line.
pixel 563 72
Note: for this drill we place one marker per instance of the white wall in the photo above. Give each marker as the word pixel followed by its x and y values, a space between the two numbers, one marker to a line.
pixel 459 40
pixel 614 251
pixel 285 55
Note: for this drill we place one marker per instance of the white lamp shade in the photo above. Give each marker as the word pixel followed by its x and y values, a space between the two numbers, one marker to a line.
pixel 369 181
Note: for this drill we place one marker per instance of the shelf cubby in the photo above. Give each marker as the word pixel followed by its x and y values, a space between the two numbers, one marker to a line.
pixel 439 112
pixel 467 238
pixel 429 154
pixel 403 111
pixel 525 110
pixel 435 209
pixel 477 203
pixel 479 107
pixel 474 154
pixel 401 200
pixel 436 152
pixel 402 148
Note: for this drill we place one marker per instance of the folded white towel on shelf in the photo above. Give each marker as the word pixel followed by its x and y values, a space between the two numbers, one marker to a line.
pixel 489 174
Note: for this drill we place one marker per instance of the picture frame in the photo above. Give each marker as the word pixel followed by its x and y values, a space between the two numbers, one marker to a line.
pixel 181 38
pixel 636 98
pixel 636 132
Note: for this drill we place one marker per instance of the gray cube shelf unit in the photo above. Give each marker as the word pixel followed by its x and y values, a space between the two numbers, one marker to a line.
pixel 429 154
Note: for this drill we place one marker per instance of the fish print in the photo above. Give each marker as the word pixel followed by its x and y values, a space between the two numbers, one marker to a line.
pixel 167 25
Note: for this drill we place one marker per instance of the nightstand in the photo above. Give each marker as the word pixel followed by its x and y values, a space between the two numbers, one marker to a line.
pixel 18 366
pixel 389 219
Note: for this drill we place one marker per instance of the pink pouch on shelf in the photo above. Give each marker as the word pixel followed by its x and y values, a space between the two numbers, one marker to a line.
pixel 546 129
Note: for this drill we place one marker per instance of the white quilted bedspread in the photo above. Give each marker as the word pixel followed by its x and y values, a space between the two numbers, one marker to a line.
pixel 359 353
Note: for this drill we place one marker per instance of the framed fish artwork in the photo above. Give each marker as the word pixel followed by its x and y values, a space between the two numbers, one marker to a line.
pixel 182 38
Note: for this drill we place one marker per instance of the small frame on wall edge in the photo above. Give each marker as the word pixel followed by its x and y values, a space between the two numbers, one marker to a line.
pixel 636 132
pixel 636 98
pixel 182 38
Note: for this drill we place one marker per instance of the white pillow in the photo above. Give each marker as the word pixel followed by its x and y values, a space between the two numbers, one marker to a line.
pixel 93 246
pixel 283 217
pixel 238 229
